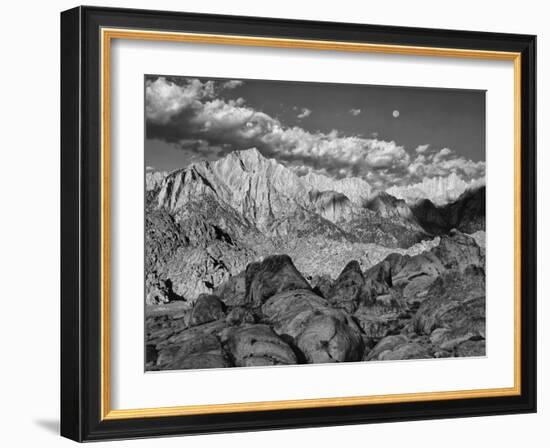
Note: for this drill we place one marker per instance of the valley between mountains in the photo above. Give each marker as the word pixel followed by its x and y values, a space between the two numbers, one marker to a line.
pixel 249 264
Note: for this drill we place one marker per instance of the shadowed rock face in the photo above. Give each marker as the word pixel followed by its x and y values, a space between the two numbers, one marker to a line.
pixel 432 218
pixel 466 214
pixel 388 206
pixel 273 275
pixel 331 205
pixel 348 291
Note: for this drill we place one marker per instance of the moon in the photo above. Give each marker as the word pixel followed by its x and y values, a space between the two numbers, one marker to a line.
pixel 395 113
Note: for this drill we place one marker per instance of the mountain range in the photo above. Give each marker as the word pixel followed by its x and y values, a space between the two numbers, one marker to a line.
pixel 208 221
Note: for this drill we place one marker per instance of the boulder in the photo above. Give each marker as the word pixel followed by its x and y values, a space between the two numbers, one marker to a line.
pixel 396 262
pixel 384 316
pixel 239 316
pixel 471 348
pixel 273 275
pixel 233 291
pixel 181 337
pixel 376 325
pixel 450 339
pixel 412 350
pixel 424 264
pixel 416 290
pixel 204 351
pixel 257 345
pixel 347 291
pixel 386 344
pixel 160 327
pixel 458 251
pixel 206 309
pixel 321 333
pixel 382 272
pixel 166 355
pixel 455 301
pixel 201 361
pixel 322 285
pixel 372 289
pixel 289 311
pixel 329 338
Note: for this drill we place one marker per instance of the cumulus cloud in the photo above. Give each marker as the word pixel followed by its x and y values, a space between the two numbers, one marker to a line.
pixel 421 149
pixel 443 163
pixel 232 84
pixel 193 116
pixel 304 113
pixel 442 154
pixel 355 112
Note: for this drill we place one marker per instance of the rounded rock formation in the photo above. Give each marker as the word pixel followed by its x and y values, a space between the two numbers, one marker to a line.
pixel 206 309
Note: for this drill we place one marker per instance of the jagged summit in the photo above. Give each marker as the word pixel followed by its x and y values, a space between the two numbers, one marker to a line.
pixel 258 188
pixel 250 156
pixel 244 177
pixel 153 179
pixel 262 193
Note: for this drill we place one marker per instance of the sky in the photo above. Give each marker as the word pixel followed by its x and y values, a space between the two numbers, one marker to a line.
pixel 385 135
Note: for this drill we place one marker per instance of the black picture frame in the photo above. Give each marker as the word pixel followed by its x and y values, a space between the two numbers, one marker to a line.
pixel 81 224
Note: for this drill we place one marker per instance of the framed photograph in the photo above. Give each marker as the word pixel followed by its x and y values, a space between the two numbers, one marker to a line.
pixel 276 224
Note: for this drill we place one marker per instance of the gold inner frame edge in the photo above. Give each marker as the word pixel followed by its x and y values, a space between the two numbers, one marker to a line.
pixel 107 35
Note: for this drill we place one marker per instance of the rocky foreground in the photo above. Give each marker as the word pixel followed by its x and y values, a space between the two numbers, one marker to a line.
pixel 428 305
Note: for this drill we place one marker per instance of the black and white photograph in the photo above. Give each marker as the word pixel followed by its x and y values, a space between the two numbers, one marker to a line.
pixel 275 221
pixel 302 223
